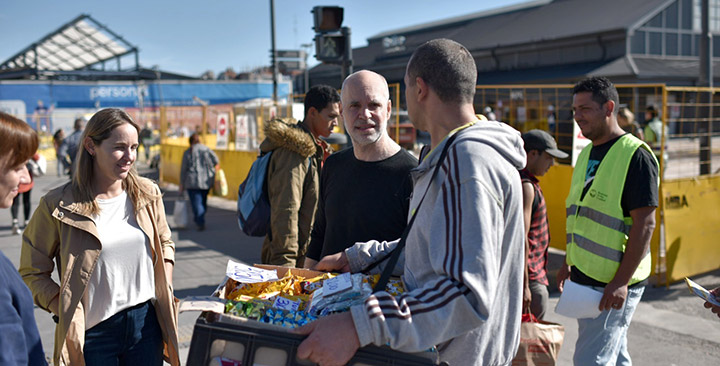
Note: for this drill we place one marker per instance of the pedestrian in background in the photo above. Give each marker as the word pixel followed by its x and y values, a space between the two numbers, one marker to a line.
pixel 654 131
pixel 293 175
pixel 72 143
pixel 626 120
pixel 541 151
pixel 610 221
pixel 24 192
pixel 146 139
pixel 197 176
pixel 63 162
pixel 20 342
pixel 107 232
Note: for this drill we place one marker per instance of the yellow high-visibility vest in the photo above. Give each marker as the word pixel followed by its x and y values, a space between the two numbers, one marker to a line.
pixel 597 231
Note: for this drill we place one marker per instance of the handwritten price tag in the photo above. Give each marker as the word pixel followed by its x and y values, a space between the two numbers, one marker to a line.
pixel 247 274
pixel 337 284
pixel 286 304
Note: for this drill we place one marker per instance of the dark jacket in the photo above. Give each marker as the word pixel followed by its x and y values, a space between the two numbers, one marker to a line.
pixel 293 185
pixel 197 170
pixel 19 338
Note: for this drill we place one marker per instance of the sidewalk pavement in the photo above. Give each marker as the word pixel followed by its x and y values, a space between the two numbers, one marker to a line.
pixel 670 326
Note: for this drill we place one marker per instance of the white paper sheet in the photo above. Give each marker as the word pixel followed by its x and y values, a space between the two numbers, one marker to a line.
pixel 578 301
pixel 248 274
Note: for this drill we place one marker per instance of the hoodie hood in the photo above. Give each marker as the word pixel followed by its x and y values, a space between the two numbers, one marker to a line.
pixel 506 140
pixel 289 134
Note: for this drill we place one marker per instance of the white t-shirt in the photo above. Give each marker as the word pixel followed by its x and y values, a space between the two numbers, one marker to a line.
pixel 123 276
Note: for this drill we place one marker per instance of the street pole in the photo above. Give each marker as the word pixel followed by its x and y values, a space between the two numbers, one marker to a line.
pixel 274 51
pixel 307 70
pixel 706 79
pixel 347 64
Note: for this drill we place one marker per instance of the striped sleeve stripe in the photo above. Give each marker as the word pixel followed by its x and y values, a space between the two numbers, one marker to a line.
pixel 447 228
pixel 453 217
pixel 458 243
pixel 402 315
pixel 444 291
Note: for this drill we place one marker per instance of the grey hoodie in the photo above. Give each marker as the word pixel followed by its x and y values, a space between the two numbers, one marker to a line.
pixel 464 256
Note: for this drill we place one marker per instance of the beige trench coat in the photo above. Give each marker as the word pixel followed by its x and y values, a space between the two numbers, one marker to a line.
pixel 59 233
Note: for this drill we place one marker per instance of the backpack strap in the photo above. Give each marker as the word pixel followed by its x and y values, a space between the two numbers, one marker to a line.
pixel 394 255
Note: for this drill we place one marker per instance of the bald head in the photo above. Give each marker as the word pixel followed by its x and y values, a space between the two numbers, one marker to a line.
pixel 365 107
pixel 365 79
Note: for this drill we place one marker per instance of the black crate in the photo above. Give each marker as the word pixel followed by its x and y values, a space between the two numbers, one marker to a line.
pixel 253 346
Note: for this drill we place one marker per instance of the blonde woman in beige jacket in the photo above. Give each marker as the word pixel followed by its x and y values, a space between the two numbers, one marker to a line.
pixel 106 230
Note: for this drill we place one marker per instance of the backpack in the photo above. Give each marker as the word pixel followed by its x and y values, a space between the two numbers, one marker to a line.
pixel 253 205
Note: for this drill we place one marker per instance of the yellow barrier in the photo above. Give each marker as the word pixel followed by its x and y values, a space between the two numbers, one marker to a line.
pixel 691 221
pixel 555 185
pixel 236 165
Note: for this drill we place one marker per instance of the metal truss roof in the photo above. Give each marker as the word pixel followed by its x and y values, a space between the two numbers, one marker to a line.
pixel 78 45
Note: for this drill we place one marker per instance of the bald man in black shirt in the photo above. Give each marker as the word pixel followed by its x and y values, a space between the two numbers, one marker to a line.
pixel 364 190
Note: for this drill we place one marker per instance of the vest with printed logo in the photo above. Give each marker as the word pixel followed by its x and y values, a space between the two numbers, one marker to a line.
pixel 597 230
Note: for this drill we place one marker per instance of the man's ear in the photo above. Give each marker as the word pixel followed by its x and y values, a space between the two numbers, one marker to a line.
pixel 610 108
pixel 422 88
pixel 311 113
pixel 389 108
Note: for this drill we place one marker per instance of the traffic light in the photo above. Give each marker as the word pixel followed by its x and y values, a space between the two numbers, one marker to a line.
pixel 330 47
pixel 327 18
pixel 332 40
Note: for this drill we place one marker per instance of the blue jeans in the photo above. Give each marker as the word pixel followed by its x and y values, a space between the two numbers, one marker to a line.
pixel 603 340
pixel 131 337
pixel 198 202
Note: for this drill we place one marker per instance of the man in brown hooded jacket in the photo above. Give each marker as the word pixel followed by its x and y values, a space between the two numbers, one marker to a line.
pixel 293 175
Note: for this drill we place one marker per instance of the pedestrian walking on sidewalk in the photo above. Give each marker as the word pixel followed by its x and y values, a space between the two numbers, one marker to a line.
pixel 610 221
pixel 72 143
pixel 24 192
pixel 107 232
pixel 20 342
pixel 197 176
pixel 63 162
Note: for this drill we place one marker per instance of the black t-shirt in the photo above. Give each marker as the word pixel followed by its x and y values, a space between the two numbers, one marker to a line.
pixel 640 190
pixel 361 201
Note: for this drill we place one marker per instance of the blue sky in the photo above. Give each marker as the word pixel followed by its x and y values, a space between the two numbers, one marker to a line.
pixel 190 37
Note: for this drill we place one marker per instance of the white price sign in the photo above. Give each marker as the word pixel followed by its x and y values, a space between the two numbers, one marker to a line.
pixel 286 304
pixel 247 274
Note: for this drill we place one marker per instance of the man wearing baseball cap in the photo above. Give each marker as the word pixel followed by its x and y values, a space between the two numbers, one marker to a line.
pixel 541 151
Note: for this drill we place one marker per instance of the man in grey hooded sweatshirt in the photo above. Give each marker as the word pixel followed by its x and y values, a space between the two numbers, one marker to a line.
pixel 463 262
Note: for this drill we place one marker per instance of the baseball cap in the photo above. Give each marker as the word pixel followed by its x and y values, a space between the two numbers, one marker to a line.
pixel 541 140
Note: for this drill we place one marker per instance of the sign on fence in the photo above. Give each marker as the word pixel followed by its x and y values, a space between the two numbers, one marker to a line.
pixel 223 130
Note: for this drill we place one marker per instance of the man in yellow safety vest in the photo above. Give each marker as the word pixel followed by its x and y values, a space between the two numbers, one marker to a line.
pixel 610 221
